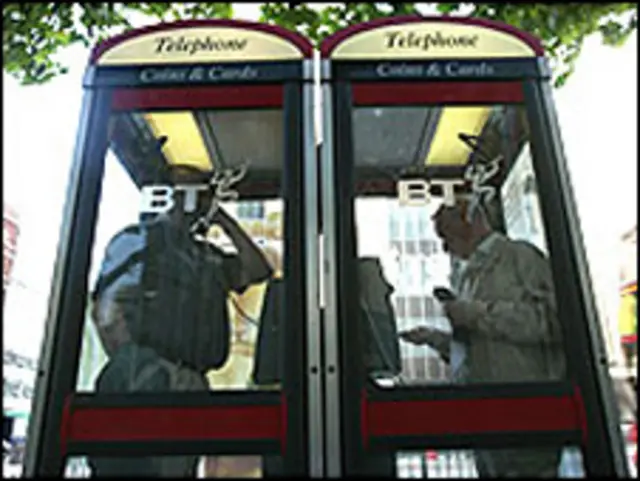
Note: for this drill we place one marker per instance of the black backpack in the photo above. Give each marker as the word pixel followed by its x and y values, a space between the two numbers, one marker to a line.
pixel 180 306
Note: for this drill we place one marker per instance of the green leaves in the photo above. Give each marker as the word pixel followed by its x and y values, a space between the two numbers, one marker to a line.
pixel 563 27
pixel 299 18
pixel 34 33
pixel 447 8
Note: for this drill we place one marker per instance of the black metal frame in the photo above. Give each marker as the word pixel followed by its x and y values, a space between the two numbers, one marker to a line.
pixel 486 440
pixel 192 74
pixel 294 379
pixel 349 343
pixel 425 70
pixel 603 449
pixel 124 449
pixel 61 349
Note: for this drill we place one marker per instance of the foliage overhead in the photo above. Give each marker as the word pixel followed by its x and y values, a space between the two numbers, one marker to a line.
pixel 34 33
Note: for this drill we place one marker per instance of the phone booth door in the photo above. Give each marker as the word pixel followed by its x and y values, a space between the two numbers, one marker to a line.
pixel 461 335
pixel 183 233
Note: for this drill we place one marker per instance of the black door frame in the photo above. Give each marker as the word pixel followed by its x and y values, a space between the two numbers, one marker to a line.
pixel 67 423
pixel 593 410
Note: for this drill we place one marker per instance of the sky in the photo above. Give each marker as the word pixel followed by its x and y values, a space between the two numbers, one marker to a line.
pixel 597 110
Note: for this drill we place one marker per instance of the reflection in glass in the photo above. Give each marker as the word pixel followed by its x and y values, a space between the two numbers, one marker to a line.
pixel 382 350
pixel 450 464
pixel 520 200
pixel 388 145
pixel 206 466
pixel 494 317
pixel 377 317
pixel 201 314
pixel 177 287
pixel 509 330
pixel 130 344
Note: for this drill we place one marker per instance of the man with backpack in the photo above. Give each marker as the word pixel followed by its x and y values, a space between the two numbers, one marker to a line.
pixel 160 308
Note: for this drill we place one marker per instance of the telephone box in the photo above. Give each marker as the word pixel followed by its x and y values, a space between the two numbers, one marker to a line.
pixel 241 290
pixel 221 101
pixel 419 112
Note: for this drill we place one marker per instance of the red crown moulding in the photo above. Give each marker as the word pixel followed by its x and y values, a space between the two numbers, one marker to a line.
pixel 294 38
pixel 331 42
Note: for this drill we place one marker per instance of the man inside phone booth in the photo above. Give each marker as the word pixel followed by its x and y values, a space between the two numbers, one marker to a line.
pixel 502 310
pixel 160 308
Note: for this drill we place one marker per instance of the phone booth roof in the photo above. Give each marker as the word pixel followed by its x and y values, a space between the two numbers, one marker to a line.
pixel 228 77
pixel 432 81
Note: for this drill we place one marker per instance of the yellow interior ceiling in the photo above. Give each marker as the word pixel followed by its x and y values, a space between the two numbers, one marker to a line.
pixel 447 148
pixel 185 145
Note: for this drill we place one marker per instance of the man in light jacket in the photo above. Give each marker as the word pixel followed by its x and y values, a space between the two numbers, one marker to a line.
pixel 504 320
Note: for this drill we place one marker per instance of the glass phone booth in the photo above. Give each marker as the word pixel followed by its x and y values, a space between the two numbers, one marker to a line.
pixel 400 290
pixel 421 113
pixel 172 113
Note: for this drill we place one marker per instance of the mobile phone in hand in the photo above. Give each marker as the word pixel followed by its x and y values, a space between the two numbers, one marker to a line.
pixel 443 294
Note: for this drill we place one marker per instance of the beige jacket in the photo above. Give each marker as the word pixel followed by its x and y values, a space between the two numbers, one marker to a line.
pixel 520 337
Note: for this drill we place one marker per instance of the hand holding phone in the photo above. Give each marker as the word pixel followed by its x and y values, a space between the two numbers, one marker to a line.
pixel 435 338
pixel 443 294
pixel 418 335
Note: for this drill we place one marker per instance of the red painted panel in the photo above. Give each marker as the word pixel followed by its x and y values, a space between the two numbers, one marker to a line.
pixel 450 93
pixel 173 423
pixel 255 96
pixel 472 416
pixel 283 423
pixel 581 413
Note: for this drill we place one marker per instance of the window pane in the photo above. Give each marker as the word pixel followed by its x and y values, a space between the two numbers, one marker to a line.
pixel 410 228
pixel 503 326
pixel 178 297
pixel 394 226
pixel 205 466
pixel 529 462
pixel 522 215
pixel 400 306
pixel 411 247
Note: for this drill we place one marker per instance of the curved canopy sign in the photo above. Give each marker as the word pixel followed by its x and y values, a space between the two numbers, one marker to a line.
pixel 414 38
pixel 197 42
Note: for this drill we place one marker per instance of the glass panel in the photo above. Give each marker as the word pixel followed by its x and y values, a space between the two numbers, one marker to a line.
pixel 487 253
pixel 519 194
pixel 520 462
pixel 204 138
pixel 387 145
pixel 410 228
pixel 200 467
pixel 183 273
